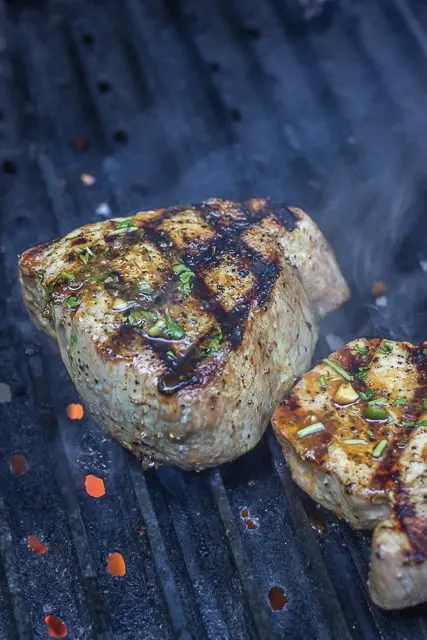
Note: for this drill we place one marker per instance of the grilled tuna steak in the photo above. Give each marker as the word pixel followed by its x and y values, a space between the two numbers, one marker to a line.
pixel 354 432
pixel 182 327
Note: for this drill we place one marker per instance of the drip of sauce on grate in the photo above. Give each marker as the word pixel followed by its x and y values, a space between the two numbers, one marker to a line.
pixel 277 598
pixel 56 627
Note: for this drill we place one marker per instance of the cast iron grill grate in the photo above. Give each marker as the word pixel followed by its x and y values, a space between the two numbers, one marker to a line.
pixel 166 102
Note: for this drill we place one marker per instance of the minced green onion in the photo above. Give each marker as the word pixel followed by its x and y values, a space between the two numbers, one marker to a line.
pixel 370 433
pixel 378 402
pixel 425 352
pixel 122 226
pixel 379 448
pixel 338 369
pixel 72 302
pixel 171 355
pixel 73 339
pixel 355 441
pixel 368 394
pixel 323 381
pixel 423 423
pixel 85 254
pixel 312 428
pixel 400 401
pixel 67 276
pixel 375 413
pixel 424 403
pixel 409 423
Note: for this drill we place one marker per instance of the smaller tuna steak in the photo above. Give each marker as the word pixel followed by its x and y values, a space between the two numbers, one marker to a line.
pixel 182 327
pixel 354 433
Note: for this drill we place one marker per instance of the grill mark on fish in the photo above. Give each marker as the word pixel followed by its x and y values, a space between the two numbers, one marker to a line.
pixel 227 240
pixel 388 474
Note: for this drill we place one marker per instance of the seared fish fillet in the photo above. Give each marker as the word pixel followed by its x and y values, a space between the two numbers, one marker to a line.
pixel 182 327
pixel 354 432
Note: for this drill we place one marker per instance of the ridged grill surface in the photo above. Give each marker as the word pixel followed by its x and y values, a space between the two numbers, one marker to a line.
pixel 167 103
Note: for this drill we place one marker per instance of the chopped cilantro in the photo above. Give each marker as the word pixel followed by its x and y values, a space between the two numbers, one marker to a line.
pixel 361 373
pixel 400 401
pixel 73 302
pixel 185 277
pixel 156 325
pixel 213 344
pixel 368 394
pixel 386 347
pixel 362 351
pixel 166 327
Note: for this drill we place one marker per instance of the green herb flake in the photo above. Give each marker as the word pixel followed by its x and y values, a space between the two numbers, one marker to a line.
pixel 122 226
pixel 171 355
pixel 423 423
pixel 386 348
pixel 424 403
pixel 85 254
pixel 73 339
pixel 380 448
pixel 145 287
pixel 73 302
pixel 361 373
pixel 368 394
pixel 378 402
pixel 425 352
pixel 213 344
pixel 338 369
pixel 376 413
pixel 371 434
pixel 67 276
pixel 408 423
pixel 185 277
pixel 400 401
pixel 362 351
pixel 311 429
pixel 323 381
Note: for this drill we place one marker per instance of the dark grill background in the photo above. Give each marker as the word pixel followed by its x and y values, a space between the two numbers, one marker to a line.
pixel 173 103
